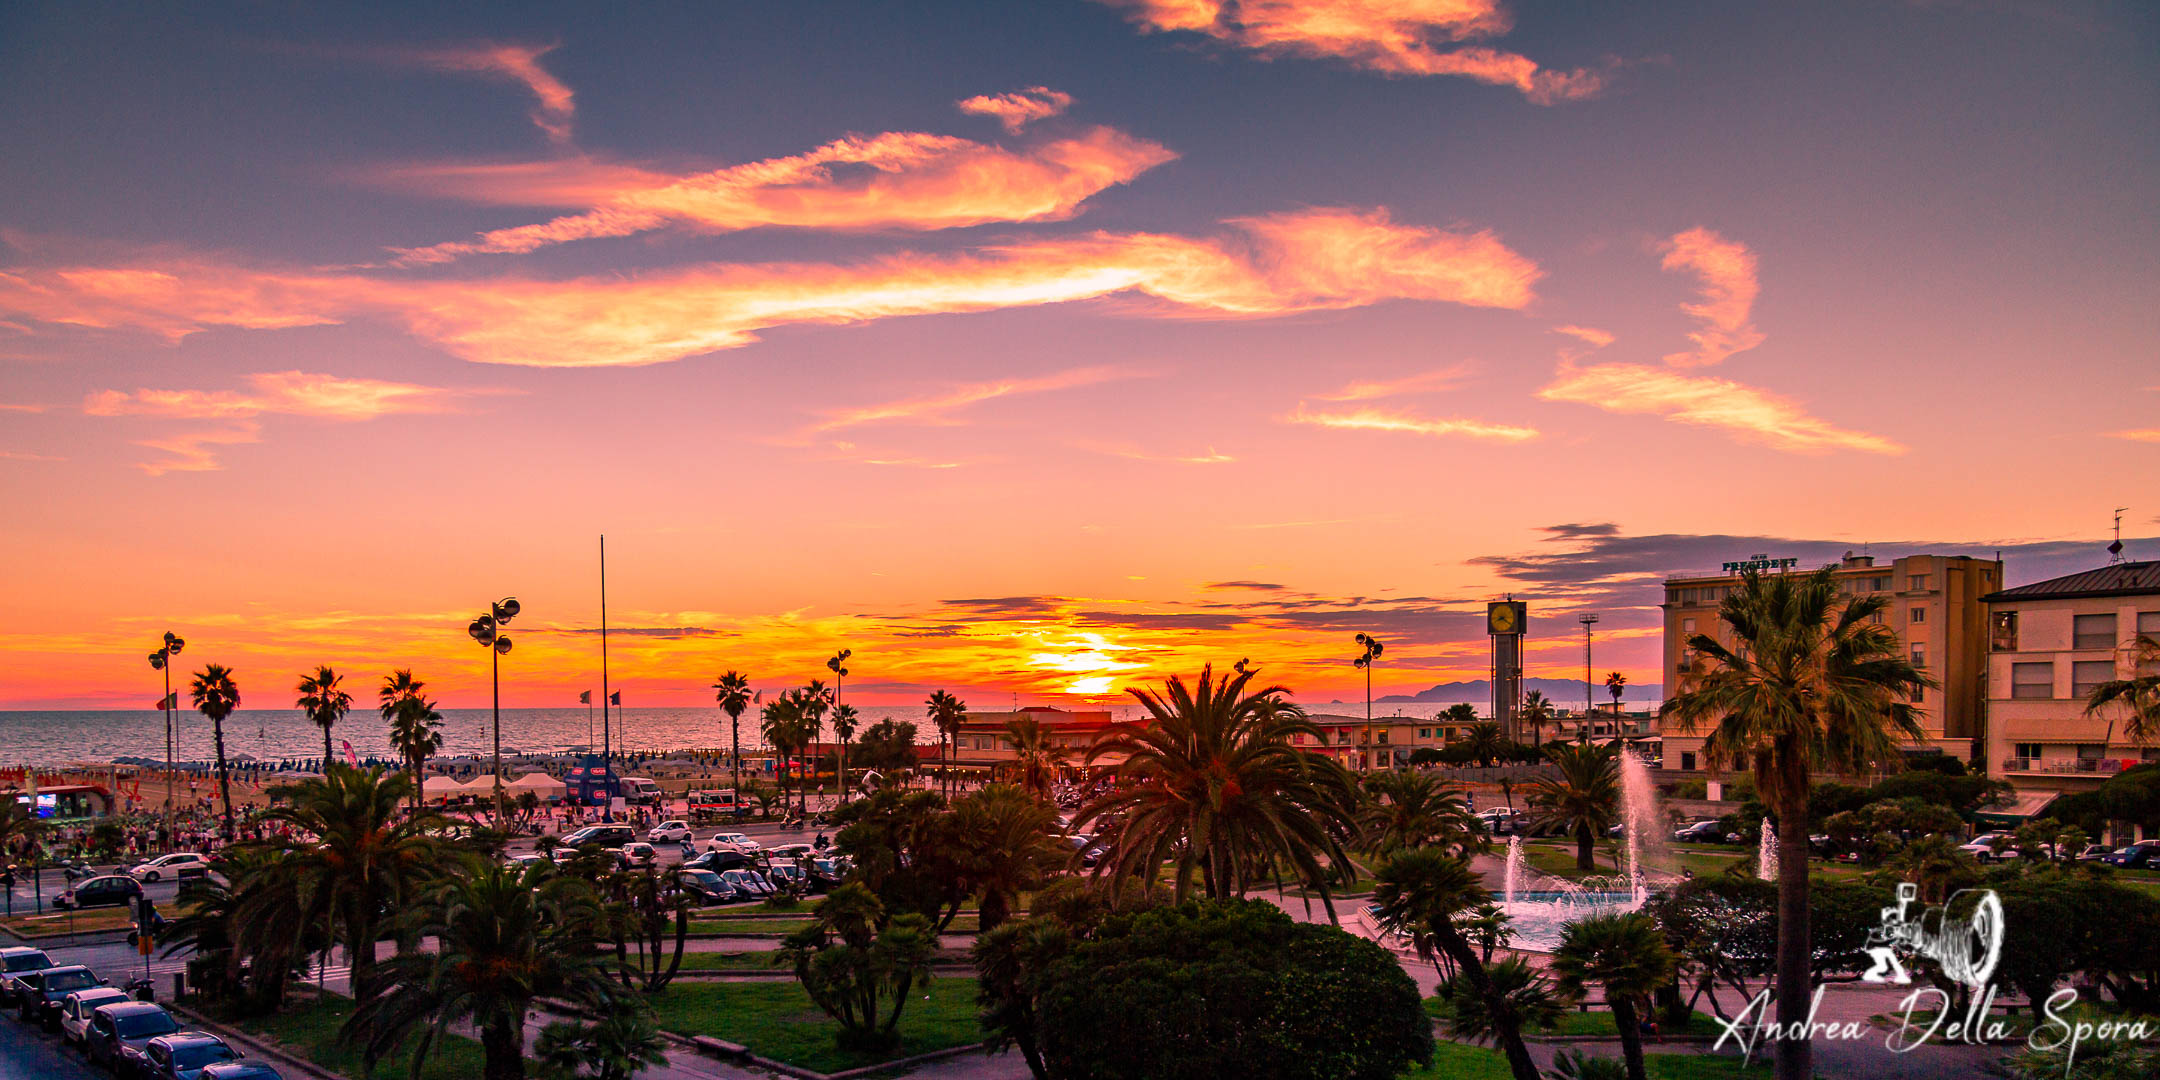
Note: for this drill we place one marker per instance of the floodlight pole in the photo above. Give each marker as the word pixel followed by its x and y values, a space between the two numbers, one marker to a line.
pixel 1588 620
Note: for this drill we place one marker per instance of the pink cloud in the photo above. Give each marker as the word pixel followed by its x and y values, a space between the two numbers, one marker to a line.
pixel 293 393
pixel 934 409
pixel 1394 37
pixel 196 451
pixel 1588 335
pixel 1019 108
pixel 1423 382
pixel 1726 270
pixel 2151 435
pixel 517 63
pixel 1747 412
pixel 897 180
pixel 1314 260
pixel 1406 423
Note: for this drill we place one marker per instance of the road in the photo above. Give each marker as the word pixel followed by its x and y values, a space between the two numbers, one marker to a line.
pixel 28 1052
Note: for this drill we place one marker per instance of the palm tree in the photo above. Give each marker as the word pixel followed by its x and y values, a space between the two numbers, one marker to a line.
pixel 216 697
pixel 366 857
pixel 1213 783
pixel 1002 843
pixel 1420 894
pixel 815 700
pixel 1625 953
pixel 781 723
pixel 1812 682
pixel 1584 798
pixel 1616 685
pixel 415 725
pixel 618 1046
pixel 947 713
pixel 733 694
pixel 2138 695
pixel 1537 710
pixel 247 925
pixel 1037 758
pixel 844 722
pixel 505 937
pixel 1413 810
pixel 324 702
pixel 1483 741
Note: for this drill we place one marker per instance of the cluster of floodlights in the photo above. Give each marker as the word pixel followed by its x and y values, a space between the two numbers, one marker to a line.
pixel 487 629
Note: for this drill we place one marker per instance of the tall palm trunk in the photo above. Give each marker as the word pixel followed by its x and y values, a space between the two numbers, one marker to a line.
pixel 1507 1027
pixel 1585 847
pixel 224 774
pixel 502 1045
pixel 326 749
pixel 1624 1018
pixel 1794 1056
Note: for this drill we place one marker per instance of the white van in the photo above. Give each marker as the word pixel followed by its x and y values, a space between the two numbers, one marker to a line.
pixel 639 791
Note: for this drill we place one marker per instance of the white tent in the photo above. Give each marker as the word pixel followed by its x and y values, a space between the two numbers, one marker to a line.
pixel 539 783
pixel 441 787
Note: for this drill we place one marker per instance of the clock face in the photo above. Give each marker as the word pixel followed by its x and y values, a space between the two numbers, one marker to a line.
pixel 1500 618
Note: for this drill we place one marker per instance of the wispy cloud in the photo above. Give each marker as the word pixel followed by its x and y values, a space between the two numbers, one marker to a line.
pixel 1134 453
pixel 936 409
pixel 196 451
pixel 1393 37
pixel 1312 260
pixel 1019 108
pixel 1424 382
pixel 1747 412
pixel 2151 435
pixel 1405 423
pixel 6 407
pixel 897 180
pixel 23 455
pixel 1727 272
pixel 556 104
pixel 295 393
pixel 1588 335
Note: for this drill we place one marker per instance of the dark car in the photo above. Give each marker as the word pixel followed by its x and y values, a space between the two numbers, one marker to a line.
pixel 184 1056
pixel 14 962
pixel 2145 854
pixel 706 887
pixel 607 836
pixel 825 874
pixel 118 1034
pixel 105 891
pixel 240 1070
pixel 39 993
pixel 719 862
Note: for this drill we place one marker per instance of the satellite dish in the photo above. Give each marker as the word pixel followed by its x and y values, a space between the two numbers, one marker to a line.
pixel 508 609
pixel 502 644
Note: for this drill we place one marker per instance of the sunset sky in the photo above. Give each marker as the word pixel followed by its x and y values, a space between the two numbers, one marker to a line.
pixel 1041 348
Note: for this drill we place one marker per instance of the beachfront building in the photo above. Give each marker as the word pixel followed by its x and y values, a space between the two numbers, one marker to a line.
pixel 1391 742
pixel 1936 607
pixel 983 748
pixel 2049 643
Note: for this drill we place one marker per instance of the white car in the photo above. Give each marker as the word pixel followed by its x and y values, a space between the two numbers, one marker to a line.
pixel 669 832
pixel 75 1011
pixel 636 855
pixel 731 841
pixel 165 866
pixel 1983 847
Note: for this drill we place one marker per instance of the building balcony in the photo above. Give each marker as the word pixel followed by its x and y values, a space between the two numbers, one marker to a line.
pixel 2063 766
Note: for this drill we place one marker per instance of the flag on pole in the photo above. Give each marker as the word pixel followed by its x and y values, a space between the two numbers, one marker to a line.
pixel 585 698
pixel 351 758
pixel 615 698
pixel 169 701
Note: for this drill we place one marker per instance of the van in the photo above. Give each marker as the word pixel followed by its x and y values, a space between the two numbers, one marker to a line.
pixel 640 791
pixel 714 803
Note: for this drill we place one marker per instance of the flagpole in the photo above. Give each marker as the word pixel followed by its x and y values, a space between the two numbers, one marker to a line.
pixel 606 738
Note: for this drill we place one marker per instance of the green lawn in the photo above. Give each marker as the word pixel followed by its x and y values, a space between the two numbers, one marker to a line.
pixel 1456 1061
pixel 777 1020
pixel 1595 1022
pixel 754 960
pixel 309 1029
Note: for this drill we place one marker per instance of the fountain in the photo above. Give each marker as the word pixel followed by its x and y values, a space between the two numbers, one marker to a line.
pixel 1513 875
pixel 1539 905
pixel 1766 864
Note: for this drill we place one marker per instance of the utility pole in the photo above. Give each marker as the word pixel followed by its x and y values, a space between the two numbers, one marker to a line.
pixel 1589 693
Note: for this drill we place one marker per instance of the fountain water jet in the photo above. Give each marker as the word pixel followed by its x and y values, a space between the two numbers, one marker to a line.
pixel 1766 858
pixel 1513 875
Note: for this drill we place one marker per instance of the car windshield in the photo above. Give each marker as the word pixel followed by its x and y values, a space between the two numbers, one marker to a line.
pixel 702 877
pixel 145 1025
pixel 69 980
pixel 201 1054
pixel 30 961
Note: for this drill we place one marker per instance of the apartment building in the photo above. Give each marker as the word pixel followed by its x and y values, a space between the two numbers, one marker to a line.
pixel 2049 644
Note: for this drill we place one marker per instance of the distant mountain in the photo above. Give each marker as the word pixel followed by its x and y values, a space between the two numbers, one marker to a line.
pixel 1564 693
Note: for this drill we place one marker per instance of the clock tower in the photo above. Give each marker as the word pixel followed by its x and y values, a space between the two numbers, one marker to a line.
pixel 1507 621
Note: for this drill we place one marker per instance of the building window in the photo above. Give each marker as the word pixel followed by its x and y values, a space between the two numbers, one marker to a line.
pixel 2086 674
pixel 1919 694
pixel 2032 680
pixel 1687 626
pixel 1916 582
pixel 1687 761
pixel 2091 751
pixel 2002 632
pixel 1424 733
pixel 1916 616
pixel 1919 654
pixel 2149 624
pixel 2094 632
pixel 2028 749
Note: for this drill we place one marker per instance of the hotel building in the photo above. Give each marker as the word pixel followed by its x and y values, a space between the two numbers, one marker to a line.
pixel 2050 643
pixel 1935 606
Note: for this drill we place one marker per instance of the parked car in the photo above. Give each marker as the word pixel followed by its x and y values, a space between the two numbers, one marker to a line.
pixel 106 891
pixel 607 836
pixel 825 874
pixel 14 962
pixel 2093 853
pixel 636 855
pixel 719 862
pixel 39 994
pixel 1982 847
pixel 785 874
pixel 669 832
pixel 2145 854
pixel 519 862
pixel 731 841
pixel 749 884
pixel 240 1070
pixel 1699 832
pixel 119 1032
pixel 705 887
pixel 75 1011
pixel 792 851
pixel 176 865
pixel 184 1055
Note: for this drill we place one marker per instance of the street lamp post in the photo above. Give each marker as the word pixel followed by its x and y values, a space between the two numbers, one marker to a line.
pixel 838 666
pixel 161 660
pixel 1589 708
pixel 487 630
pixel 1372 648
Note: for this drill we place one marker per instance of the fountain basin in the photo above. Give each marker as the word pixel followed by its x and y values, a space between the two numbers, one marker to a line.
pixel 1537 916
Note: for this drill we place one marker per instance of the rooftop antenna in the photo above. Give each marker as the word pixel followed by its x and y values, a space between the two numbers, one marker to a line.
pixel 2115 549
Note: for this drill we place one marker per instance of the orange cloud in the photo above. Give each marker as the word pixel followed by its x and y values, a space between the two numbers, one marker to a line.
pixel 1018 109
pixel 1727 272
pixel 1312 260
pixel 1421 383
pixel 194 451
pixel 518 63
pixel 1750 413
pixel 1589 335
pixel 934 409
pixel 2151 435
pixel 295 393
pixel 1393 37
pixel 1134 453
pixel 1376 420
